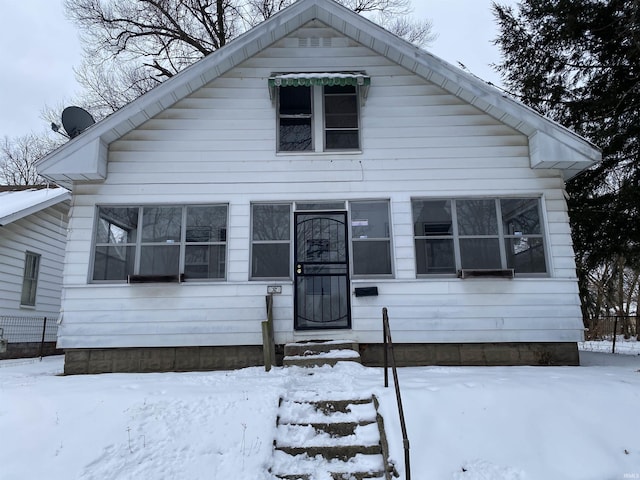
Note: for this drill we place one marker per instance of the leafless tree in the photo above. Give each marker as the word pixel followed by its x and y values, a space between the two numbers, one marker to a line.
pixel 614 289
pixel 18 157
pixel 132 45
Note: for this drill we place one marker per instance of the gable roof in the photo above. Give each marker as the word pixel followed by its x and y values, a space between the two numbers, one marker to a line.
pixel 18 202
pixel 551 145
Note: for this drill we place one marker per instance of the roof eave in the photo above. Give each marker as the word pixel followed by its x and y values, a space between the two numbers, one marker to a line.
pixel 422 63
pixel 25 212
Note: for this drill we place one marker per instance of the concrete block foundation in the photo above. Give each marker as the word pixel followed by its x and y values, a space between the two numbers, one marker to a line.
pixel 186 359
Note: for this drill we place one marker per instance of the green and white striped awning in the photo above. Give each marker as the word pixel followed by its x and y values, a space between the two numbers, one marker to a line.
pixel 328 78
pixel 322 79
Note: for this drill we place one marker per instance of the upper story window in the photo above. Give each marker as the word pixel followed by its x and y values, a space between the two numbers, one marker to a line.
pixel 454 234
pixel 318 112
pixel 160 240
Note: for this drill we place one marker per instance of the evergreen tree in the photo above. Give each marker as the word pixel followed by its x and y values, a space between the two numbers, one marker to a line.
pixel 578 62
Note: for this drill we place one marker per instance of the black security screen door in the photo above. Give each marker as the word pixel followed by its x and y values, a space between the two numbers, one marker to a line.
pixel 322 271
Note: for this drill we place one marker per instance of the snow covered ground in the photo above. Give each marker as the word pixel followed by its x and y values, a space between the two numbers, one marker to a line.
pixel 464 423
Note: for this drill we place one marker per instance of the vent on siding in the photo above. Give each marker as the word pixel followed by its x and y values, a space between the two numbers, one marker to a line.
pixel 314 42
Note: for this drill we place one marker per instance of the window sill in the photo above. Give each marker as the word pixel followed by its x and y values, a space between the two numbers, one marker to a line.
pixel 28 307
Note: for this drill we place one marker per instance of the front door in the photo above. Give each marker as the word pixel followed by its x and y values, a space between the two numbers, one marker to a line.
pixel 322 271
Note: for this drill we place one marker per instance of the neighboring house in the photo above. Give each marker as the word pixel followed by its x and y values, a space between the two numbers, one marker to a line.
pixel 33 232
pixel 320 155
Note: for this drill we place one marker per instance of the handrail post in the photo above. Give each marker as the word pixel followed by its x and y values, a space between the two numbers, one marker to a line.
pixel 385 334
pixel 44 329
pixel 388 346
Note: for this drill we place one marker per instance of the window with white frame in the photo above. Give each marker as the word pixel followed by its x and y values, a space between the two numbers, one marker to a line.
pixel 495 233
pixel 160 240
pixel 371 237
pixel 317 118
pixel 30 279
pixel 270 240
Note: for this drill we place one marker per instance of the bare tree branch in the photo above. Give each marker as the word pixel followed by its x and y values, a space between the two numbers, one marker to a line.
pixel 131 45
pixel 18 157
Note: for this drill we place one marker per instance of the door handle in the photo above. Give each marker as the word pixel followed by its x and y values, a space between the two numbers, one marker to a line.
pixel 298 269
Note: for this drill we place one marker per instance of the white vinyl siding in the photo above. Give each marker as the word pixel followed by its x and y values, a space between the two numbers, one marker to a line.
pixel 43 233
pixel 219 144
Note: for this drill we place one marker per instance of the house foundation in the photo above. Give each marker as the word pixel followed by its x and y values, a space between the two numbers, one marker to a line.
pixel 184 359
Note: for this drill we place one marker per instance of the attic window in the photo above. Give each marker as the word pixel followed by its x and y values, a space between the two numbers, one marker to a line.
pixel 318 112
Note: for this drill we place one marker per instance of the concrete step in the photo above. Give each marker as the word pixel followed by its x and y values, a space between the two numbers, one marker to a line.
pixel 342 452
pixel 335 437
pixel 306 467
pixel 319 346
pixel 338 476
pixel 319 353
pixel 326 411
pixel 334 434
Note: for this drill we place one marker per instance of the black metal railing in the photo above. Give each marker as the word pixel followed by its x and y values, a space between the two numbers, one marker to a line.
pixel 605 327
pixel 29 331
pixel 611 326
pixel 389 354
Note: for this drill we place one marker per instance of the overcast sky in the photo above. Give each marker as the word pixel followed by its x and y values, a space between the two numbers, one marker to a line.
pixel 39 49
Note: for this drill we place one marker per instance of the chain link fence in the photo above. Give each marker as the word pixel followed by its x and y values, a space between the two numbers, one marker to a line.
pixel 612 329
pixel 607 328
pixel 23 337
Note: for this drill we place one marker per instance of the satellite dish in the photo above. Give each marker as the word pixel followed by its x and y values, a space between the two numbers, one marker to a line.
pixel 75 120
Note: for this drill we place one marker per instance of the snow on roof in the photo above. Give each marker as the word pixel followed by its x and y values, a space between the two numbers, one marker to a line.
pixel 16 204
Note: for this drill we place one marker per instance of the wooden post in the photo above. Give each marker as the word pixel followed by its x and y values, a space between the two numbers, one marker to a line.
pixel 268 341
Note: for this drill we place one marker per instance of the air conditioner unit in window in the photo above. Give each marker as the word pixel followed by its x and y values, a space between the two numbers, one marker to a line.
pixel 485 273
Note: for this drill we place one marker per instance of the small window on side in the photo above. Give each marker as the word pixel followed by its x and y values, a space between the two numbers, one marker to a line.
pixel 30 279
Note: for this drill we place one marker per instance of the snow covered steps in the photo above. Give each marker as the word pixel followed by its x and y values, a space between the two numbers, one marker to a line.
pixel 318 353
pixel 328 440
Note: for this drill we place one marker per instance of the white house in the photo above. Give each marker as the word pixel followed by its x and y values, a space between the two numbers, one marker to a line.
pixel 323 158
pixel 33 232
